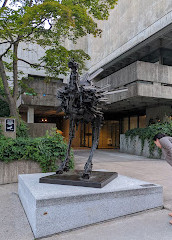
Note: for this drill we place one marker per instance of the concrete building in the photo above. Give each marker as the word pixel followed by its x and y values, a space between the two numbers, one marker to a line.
pixel 134 52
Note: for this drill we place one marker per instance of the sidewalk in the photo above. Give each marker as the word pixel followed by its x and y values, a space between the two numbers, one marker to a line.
pixel 149 225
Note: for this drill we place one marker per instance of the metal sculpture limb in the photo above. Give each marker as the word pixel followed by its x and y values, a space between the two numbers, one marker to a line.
pixel 95 140
pixel 81 102
pixel 65 164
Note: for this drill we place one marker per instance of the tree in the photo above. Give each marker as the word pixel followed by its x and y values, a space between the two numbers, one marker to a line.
pixel 4 107
pixel 24 21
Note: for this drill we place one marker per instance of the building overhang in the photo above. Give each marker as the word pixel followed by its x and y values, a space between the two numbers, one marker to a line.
pixel 134 106
pixel 151 49
pixel 42 110
pixel 148 85
pixel 45 100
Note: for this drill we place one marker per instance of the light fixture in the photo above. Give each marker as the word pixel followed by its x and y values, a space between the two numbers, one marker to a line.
pixel 44 120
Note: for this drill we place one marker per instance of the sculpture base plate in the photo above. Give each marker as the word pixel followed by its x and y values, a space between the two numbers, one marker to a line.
pixel 74 178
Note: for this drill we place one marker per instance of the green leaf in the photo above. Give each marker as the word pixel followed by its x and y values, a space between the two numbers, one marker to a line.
pixel 48 151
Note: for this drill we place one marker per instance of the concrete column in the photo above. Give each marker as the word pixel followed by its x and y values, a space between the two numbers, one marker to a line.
pixel 158 114
pixel 30 115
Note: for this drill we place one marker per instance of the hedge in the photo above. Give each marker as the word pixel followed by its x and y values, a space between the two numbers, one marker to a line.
pixel 48 151
pixel 149 132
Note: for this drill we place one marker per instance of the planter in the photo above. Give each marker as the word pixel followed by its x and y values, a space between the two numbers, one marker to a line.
pixel 9 171
pixel 134 146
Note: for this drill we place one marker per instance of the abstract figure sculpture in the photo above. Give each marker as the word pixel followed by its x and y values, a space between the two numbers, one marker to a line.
pixel 81 102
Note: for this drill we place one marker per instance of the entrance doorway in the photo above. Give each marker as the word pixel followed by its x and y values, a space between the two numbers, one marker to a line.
pixel 109 135
pixel 86 135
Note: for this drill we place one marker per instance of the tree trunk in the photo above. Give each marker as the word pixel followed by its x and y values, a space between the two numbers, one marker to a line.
pixel 11 101
pixel 5 3
pixel 15 72
pixel 13 109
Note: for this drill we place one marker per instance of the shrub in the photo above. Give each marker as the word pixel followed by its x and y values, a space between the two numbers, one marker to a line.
pixel 149 132
pixel 22 129
pixel 48 151
pixel 4 107
pixel 0 130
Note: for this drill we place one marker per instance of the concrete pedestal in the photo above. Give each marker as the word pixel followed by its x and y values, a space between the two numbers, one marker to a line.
pixel 52 208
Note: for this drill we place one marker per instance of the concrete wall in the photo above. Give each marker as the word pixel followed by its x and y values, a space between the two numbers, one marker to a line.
pixel 130 23
pixel 39 129
pixel 9 171
pixel 46 94
pixel 134 146
pixel 141 79
pixel 142 71
pixel 29 52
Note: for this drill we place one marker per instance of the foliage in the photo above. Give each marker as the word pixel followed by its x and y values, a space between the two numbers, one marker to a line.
pixel 21 129
pixel 24 86
pixel 61 54
pixel 149 132
pixel 0 130
pixel 24 22
pixel 4 106
pixel 4 109
pixel 48 151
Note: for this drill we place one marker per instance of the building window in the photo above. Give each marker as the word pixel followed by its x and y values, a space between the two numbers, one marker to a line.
pixel 133 122
pixel 125 124
pixel 142 121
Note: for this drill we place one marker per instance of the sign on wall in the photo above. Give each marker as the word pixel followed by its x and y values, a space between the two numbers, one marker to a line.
pixel 9 125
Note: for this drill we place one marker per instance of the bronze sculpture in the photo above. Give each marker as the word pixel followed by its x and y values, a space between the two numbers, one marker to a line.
pixel 81 102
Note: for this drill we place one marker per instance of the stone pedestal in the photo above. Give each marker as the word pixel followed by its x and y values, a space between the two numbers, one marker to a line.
pixel 52 208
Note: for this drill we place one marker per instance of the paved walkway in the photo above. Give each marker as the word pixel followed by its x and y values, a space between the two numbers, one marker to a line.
pixel 149 225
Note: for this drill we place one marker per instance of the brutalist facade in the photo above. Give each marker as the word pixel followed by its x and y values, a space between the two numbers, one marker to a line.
pixel 134 53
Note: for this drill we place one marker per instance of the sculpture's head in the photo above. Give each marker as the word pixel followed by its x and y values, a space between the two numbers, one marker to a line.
pixel 73 65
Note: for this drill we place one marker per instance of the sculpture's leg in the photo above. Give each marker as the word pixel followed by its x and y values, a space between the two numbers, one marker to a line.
pixel 95 140
pixel 65 164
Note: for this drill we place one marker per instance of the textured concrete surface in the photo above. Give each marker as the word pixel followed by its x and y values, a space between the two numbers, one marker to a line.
pixel 139 70
pixel 81 206
pixel 150 225
pixel 9 171
pixel 40 129
pixel 134 146
pixel 135 21
pixel 145 82
pixel 46 94
pixel 13 222
pixel 146 226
